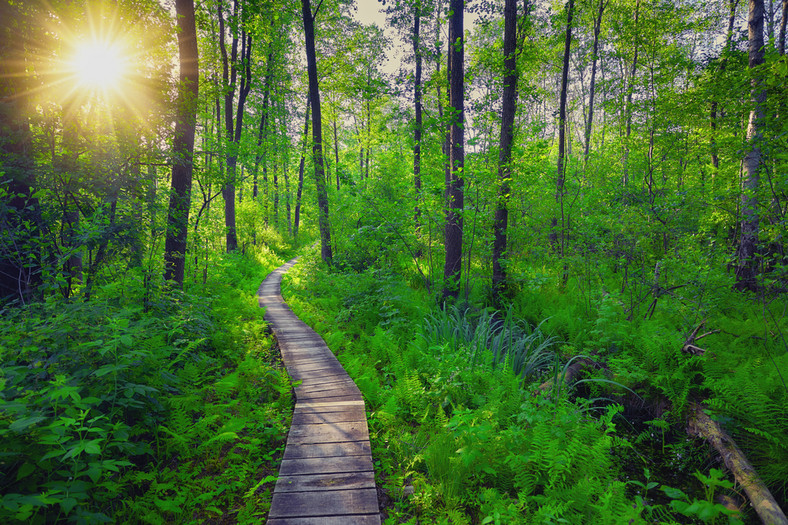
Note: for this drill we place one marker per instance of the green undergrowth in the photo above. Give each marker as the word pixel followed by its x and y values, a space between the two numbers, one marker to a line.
pixel 462 432
pixel 172 409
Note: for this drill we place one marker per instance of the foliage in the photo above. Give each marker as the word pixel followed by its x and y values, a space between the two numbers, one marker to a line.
pixel 458 438
pixel 113 413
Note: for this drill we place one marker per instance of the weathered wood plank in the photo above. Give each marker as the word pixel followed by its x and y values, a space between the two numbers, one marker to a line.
pixel 306 418
pixel 328 433
pixel 327 450
pixel 325 482
pixel 327 475
pixel 358 519
pixel 324 503
pixel 294 467
pixel 331 397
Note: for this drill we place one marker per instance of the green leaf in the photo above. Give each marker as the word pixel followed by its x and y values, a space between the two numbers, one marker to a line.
pixel 126 339
pixel 21 424
pixel 25 470
pixel 67 504
pixel 93 446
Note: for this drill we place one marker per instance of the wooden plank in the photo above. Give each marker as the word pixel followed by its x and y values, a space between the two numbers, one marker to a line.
pixel 328 397
pixel 325 482
pixel 293 467
pixel 358 519
pixel 306 418
pixel 315 385
pixel 303 375
pixel 327 450
pixel 328 433
pixel 328 404
pixel 324 503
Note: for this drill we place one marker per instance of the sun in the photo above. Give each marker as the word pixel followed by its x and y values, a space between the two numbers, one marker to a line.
pixel 98 65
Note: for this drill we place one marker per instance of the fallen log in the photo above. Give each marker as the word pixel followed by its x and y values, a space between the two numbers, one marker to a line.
pixel 700 424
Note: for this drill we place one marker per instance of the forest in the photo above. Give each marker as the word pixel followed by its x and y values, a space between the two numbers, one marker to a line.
pixel 546 239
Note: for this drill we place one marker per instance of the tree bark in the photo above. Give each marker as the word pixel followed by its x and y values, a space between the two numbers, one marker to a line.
pixel 300 187
pixel 20 215
pixel 628 106
pixel 560 178
pixel 715 159
pixel 592 86
pixel 508 111
pixel 417 108
pixel 452 268
pixel 781 41
pixel 183 146
pixel 262 139
pixel 762 500
pixel 746 271
pixel 229 77
pixel 317 133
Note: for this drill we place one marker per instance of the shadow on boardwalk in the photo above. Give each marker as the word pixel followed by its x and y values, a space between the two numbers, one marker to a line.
pixel 326 476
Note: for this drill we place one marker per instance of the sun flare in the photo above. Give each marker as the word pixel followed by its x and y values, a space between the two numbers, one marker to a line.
pixel 98 65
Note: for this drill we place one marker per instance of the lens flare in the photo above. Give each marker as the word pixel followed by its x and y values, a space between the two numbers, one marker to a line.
pixel 98 65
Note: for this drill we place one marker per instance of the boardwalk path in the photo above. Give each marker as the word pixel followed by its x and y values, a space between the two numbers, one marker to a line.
pixel 326 476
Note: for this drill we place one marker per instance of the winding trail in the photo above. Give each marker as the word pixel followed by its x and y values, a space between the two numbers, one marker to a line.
pixel 326 476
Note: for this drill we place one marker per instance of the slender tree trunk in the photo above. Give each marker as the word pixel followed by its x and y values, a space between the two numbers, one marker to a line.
pixel 509 109
pixel 20 215
pixel 592 86
pixel 560 180
pixel 183 146
pixel 628 106
pixel 746 271
pixel 230 69
pixel 715 160
pixel 417 108
pixel 317 134
pixel 336 153
pixel 262 139
pixel 452 268
pixel 300 187
pixel 781 41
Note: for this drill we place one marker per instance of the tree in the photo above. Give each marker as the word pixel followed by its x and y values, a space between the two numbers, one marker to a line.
pixel 592 84
pixel 19 209
pixel 454 176
pixel 317 132
pixel 183 145
pixel 230 70
pixel 510 80
pixel 747 261
pixel 561 168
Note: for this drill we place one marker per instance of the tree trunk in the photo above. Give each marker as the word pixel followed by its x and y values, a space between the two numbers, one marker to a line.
pixel 183 146
pixel 746 271
pixel 560 179
pixel 592 86
pixel 761 499
pixel 781 41
pixel 715 160
pixel 300 187
pixel 508 112
pixel 418 124
pixel 229 76
pixel 628 106
pixel 452 268
pixel 317 133
pixel 262 139
pixel 336 153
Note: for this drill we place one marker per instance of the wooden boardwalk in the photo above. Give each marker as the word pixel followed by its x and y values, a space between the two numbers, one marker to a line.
pixel 326 476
